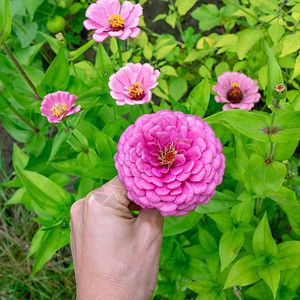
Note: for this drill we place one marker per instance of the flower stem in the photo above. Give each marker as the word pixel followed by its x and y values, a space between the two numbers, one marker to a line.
pixel 142 109
pixel 16 63
pixel 120 52
pixel 258 206
pixel 132 112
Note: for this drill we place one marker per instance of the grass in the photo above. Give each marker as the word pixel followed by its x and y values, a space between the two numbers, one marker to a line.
pixel 17 229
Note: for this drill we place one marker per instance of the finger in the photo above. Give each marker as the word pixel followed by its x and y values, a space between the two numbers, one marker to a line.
pixel 151 216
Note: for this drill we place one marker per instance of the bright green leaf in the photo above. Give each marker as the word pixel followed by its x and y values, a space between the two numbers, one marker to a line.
pixel 243 272
pixel 230 245
pixel 271 275
pixel 288 255
pixel 263 242
pixel 177 225
pixel 184 6
pixel 198 98
pixel 219 202
pixel 265 177
pixel 247 39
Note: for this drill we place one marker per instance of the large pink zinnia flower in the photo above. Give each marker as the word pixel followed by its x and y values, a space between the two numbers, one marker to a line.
pixel 170 161
pixel 132 84
pixel 105 16
pixel 58 105
pixel 237 90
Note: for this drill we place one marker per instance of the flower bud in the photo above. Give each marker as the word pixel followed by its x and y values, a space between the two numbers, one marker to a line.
pixel 279 91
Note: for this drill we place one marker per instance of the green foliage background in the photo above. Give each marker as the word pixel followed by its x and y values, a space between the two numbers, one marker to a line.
pixel 245 243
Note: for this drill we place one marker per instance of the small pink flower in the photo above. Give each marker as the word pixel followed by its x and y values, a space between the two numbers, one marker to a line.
pixel 58 105
pixel 132 84
pixel 237 90
pixel 170 161
pixel 105 16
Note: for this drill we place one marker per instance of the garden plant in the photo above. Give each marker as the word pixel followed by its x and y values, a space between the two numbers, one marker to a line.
pixel 202 123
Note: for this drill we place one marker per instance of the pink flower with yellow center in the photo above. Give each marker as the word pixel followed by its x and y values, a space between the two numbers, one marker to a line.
pixel 58 105
pixel 170 161
pixel 132 84
pixel 236 90
pixel 109 20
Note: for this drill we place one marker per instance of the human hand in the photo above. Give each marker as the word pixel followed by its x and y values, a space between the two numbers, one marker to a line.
pixel 116 255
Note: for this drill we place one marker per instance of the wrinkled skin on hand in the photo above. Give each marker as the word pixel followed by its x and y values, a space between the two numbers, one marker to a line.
pixel 116 255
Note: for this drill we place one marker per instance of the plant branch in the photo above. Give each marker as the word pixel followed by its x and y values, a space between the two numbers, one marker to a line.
pixel 20 69
pixel 120 52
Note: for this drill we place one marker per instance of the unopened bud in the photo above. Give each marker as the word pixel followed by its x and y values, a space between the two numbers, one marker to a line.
pixel 279 91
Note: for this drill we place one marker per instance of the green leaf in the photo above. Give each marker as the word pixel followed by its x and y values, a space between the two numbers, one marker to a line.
pixel 5 20
pixel 260 291
pixel 243 272
pixel 207 241
pixel 198 98
pixel 201 287
pixel 271 275
pixel 69 166
pixel 276 31
pixel 54 43
pixel 247 123
pixel 207 15
pixel 288 124
pixel 177 225
pixel 26 33
pixel 104 170
pixel 26 55
pixel 20 159
pixel 31 6
pixel 263 242
pixel 60 137
pixel 288 255
pixel 284 196
pixel 88 159
pixel 219 202
pixel 168 70
pixel 243 212
pixel 223 221
pixel 105 146
pixel 16 197
pixel 177 88
pixel 171 20
pixel 103 63
pixel 15 83
pixel 230 245
pixel 296 67
pixel 247 39
pixel 274 74
pixel 291 44
pixel 266 178
pixel 184 5
pixel 57 75
pixel 45 193
pixel 51 241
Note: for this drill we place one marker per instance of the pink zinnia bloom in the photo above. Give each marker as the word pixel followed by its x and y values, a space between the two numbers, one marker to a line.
pixel 58 105
pixel 132 84
pixel 237 90
pixel 170 161
pixel 105 16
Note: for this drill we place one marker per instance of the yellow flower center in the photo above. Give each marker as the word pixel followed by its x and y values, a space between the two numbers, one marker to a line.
pixel 166 157
pixel 136 91
pixel 116 22
pixel 235 85
pixel 59 109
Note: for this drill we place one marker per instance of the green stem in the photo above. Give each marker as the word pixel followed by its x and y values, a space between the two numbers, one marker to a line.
pixel 132 112
pixel 142 109
pixel 115 112
pixel 258 206
pixel 20 69
pixel 120 52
